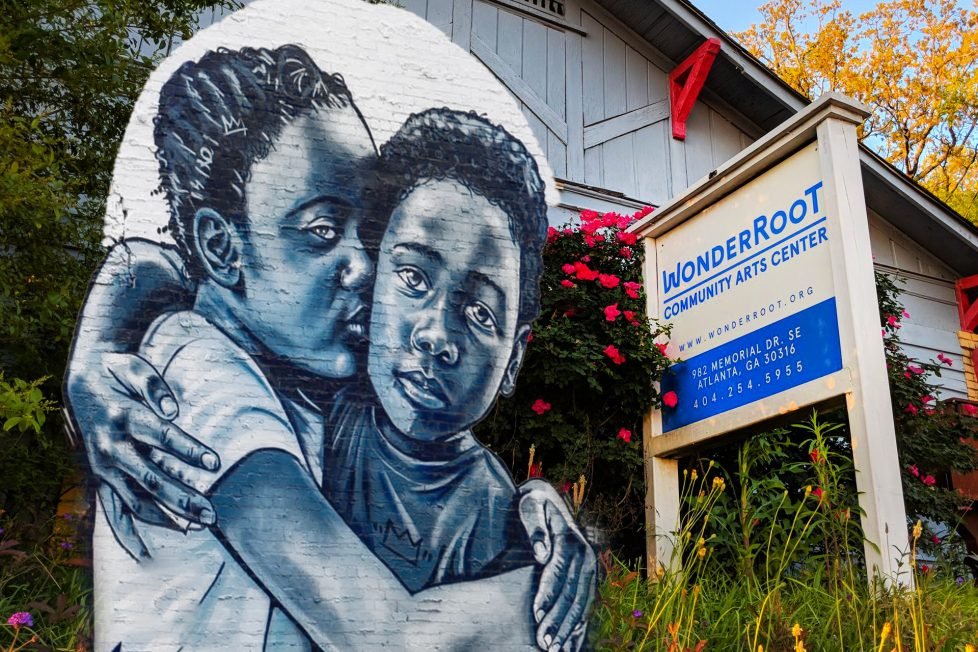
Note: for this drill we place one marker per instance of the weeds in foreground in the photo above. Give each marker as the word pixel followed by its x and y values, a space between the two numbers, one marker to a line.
pixel 776 564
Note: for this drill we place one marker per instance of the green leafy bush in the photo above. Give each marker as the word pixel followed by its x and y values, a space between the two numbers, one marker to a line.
pixel 589 376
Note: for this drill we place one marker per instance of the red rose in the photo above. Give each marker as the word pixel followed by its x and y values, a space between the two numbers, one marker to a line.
pixel 662 346
pixel 540 406
pixel 608 280
pixel 627 238
pixel 632 288
pixel 568 268
pixel 612 352
pixel 568 283
pixel 611 312
pixel 929 480
pixel 625 435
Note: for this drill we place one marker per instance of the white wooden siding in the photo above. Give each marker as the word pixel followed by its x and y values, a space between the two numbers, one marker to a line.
pixel 927 293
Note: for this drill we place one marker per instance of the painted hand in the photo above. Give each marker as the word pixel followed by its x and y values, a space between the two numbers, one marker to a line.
pixel 130 440
pixel 567 581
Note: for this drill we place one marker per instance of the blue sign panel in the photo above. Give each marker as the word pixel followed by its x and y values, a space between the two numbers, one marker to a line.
pixel 790 352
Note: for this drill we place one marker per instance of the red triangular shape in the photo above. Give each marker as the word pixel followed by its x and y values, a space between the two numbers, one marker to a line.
pixel 686 82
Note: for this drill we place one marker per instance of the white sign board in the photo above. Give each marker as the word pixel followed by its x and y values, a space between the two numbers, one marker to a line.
pixel 764 271
pixel 747 287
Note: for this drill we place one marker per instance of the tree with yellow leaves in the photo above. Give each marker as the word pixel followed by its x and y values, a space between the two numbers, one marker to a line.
pixel 915 62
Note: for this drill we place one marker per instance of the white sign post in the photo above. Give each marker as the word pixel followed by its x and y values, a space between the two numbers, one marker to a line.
pixel 765 272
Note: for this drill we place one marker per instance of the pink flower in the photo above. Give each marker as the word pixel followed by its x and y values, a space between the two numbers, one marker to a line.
pixel 552 234
pixel 629 315
pixel 913 470
pixel 924 568
pixel 929 480
pixel 20 619
pixel 627 239
pixel 892 321
pixel 625 435
pixel 589 216
pixel 906 374
pixel 599 238
pixel 911 409
pixel 568 268
pixel 529 337
pixel 946 360
pixel 906 315
pixel 926 398
pixel 625 252
pixel 815 456
pixel 914 369
pixel 936 540
pixel 819 493
pixel 608 280
pixel 611 313
pixel 612 352
pixel 586 259
pixel 632 288
pixel 624 222
pixel 567 283
pixel 566 487
pixel 570 312
pixel 670 399
pixel 662 346
pixel 584 273
pixel 540 406
pixel 610 219
pixel 969 409
pixel 645 210
pixel 536 470
pixel 590 241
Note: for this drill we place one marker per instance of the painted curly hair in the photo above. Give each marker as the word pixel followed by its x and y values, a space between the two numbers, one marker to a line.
pixel 220 115
pixel 445 144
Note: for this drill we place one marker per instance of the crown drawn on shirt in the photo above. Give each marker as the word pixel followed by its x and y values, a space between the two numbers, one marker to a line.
pixel 401 543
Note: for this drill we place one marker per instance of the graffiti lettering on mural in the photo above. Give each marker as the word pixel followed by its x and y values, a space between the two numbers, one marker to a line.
pixel 276 390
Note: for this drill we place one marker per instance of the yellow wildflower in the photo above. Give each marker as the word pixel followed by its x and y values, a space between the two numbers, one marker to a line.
pixel 796 630
pixel 800 647
pixel 918 529
pixel 701 553
pixel 969 647
pixel 885 634
pixel 693 475
pixel 808 490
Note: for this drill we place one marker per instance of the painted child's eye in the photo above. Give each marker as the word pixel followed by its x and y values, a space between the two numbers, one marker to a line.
pixel 414 280
pixel 324 229
pixel 480 315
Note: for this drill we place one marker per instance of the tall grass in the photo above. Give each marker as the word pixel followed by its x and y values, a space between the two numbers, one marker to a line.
pixel 773 564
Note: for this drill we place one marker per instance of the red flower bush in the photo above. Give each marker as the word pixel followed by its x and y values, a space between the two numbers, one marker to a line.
pixel 594 357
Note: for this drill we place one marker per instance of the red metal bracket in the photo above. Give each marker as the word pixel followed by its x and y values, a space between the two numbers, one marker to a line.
pixel 966 290
pixel 686 82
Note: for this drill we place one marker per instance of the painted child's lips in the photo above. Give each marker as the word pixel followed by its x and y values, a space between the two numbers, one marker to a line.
pixel 422 391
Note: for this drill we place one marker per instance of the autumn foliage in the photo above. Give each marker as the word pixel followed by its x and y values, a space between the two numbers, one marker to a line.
pixel 914 62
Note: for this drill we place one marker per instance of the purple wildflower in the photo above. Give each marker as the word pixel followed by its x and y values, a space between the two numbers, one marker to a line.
pixel 20 619
pixel 67 545
pixel 636 614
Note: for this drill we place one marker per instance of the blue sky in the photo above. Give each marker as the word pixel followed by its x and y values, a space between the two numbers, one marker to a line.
pixel 736 15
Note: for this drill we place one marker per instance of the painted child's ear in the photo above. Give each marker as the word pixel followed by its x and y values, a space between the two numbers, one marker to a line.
pixel 217 244
pixel 515 360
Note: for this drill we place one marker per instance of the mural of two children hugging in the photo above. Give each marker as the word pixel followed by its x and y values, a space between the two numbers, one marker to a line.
pixel 277 391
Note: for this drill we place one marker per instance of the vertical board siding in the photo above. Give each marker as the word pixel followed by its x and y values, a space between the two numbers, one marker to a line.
pixel 484 22
pixel 416 7
pixel 614 75
pixel 636 80
pixel 592 66
pixel 556 95
pixel 651 167
pixel 439 14
pixel 927 294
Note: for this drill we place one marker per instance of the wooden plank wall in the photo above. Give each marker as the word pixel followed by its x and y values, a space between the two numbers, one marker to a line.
pixel 598 102
pixel 927 287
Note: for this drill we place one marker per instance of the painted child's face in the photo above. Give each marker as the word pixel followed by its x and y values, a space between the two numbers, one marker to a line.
pixel 443 329
pixel 303 263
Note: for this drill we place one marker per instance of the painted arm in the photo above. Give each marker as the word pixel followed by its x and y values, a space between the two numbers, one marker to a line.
pixel 138 281
pixel 298 548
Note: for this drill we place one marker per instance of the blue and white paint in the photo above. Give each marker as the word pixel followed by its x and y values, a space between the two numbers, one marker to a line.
pixel 276 388
pixel 748 287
